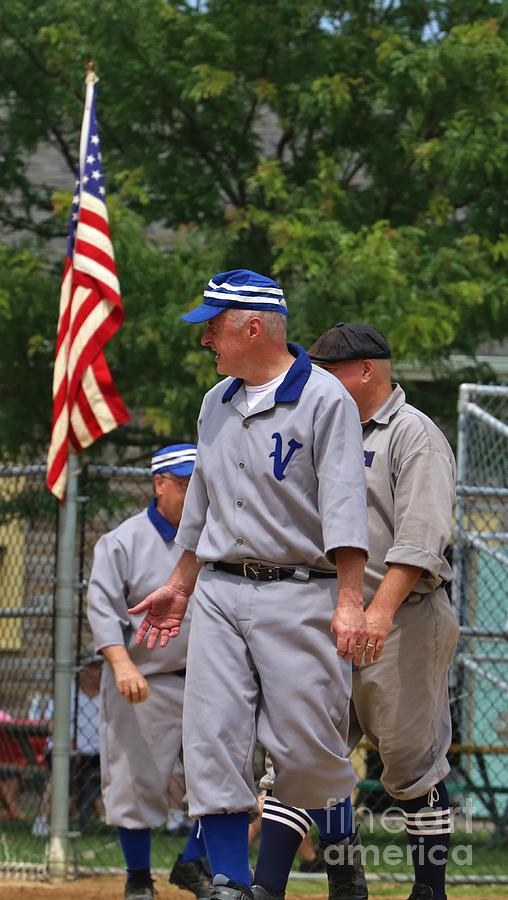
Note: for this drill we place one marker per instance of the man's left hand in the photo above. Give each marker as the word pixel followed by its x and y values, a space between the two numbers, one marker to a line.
pixel 379 623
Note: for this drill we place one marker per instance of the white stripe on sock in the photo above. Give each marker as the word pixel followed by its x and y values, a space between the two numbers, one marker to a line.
pixel 300 815
pixel 287 822
pixel 428 831
pixel 431 814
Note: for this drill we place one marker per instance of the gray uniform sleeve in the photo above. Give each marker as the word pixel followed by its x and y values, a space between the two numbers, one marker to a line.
pixel 340 469
pixel 423 506
pixel 107 607
pixel 196 502
pixel 194 512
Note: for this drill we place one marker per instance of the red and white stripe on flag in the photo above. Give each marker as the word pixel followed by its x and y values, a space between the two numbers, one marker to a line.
pixel 86 403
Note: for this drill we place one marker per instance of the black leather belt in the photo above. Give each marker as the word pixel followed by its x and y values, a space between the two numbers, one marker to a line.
pixel 258 571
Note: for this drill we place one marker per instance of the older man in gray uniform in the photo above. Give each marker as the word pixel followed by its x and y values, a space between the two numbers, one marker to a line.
pixel 400 702
pixel 142 692
pixel 275 509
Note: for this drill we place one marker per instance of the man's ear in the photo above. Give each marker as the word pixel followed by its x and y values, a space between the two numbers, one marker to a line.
pixel 367 369
pixel 256 326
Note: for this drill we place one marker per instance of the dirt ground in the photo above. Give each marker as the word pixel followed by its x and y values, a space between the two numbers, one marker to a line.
pixel 93 889
pixel 112 888
pixel 84 889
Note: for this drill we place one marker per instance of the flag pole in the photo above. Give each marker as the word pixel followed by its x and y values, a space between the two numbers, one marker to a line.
pixel 63 674
pixel 64 619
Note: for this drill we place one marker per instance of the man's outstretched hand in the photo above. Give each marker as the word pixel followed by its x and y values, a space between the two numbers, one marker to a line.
pixel 165 609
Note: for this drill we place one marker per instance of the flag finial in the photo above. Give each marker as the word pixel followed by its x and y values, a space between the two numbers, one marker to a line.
pixel 91 77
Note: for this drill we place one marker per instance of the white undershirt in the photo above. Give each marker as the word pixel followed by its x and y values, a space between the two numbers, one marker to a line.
pixel 255 392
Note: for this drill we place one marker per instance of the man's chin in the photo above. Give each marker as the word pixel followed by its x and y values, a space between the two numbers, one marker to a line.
pixel 221 367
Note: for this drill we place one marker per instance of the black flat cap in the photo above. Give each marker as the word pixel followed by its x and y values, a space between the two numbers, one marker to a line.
pixel 354 340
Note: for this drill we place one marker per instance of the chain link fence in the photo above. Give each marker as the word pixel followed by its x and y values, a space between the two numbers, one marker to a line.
pixel 107 495
pixel 28 519
pixel 480 597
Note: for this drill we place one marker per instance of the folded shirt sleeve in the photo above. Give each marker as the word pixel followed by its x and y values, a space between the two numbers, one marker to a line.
pixel 423 508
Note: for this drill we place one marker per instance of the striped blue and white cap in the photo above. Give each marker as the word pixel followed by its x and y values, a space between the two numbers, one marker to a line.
pixel 178 459
pixel 238 289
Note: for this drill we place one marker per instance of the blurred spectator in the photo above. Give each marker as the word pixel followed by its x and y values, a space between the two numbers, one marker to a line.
pixel 10 786
pixel 85 767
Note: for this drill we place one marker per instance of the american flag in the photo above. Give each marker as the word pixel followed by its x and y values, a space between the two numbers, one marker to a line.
pixel 86 403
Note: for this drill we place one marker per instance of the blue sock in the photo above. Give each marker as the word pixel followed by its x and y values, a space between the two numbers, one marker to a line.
pixel 136 845
pixel 227 844
pixel 195 846
pixel 282 830
pixel 334 822
pixel 429 851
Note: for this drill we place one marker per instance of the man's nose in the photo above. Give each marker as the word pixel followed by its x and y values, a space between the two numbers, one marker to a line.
pixel 205 338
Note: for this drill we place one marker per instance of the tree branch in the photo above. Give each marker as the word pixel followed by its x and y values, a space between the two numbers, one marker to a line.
pixel 283 141
pixel 39 228
pixel 64 148
pixel 208 155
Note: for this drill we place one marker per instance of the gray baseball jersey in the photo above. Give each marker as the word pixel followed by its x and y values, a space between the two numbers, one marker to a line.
pixel 283 483
pixel 410 473
pixel 139 743
pixel 401 701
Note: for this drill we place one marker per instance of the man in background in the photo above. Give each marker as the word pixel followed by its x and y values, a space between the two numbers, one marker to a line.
pixel 400 691
pixel 142 691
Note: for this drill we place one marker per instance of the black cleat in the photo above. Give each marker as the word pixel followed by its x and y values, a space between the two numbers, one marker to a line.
pixel 344 867
pixel 260 893
pixel 140 887
pixel 191 876
pixel 421 892
pixel 223 889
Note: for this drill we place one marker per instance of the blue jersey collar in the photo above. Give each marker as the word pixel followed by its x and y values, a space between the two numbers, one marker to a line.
pixel 165 528
pixel 293 384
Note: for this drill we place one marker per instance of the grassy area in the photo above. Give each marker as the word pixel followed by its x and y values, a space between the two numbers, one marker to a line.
pixel 379 889
pixel 470 854
pixel 95 849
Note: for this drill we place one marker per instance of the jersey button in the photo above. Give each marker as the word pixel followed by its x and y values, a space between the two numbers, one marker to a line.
pixel 246 424
pixel 241 465
pixel 239 541
pixel 239 503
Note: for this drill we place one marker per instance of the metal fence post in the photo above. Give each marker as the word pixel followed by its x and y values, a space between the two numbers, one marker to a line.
pixel 458 556
pixel 64 669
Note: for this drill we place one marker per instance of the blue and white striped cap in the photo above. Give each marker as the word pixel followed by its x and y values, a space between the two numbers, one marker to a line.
pixel 238 289
pixel 178 459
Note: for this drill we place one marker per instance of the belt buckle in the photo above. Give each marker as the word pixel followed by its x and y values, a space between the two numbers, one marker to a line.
pixel 251 569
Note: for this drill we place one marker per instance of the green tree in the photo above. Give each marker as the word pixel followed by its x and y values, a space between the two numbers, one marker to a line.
pixel 356 149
